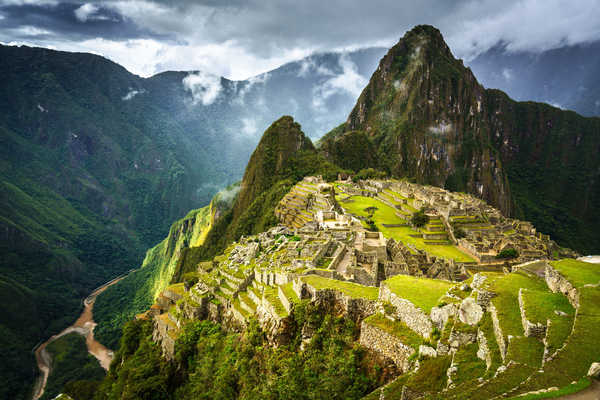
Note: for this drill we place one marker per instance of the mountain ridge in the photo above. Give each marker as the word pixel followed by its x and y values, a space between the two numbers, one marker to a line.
pixel 430 120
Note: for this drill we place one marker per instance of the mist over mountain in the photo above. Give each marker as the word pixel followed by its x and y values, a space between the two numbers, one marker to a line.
pixel 565 77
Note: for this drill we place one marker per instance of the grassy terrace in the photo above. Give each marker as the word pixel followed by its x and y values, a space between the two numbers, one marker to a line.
pixel 578 273
pixel 431 377
pixel 540 307
pixel 424 293
pixel 526 350
pixel 177 289
pixel 387 215
pixel 581 349
pixel 272 297
pixel 247 300
pixel 469 366
pixel 507 302
pixel 289 292
pixel 397 329
pixel 353 290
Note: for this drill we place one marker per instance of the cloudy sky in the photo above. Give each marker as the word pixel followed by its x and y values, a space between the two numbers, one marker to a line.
pixel 238 39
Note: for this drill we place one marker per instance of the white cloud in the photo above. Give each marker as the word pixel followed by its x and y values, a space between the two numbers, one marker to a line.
pixel 29 30
pixel 507 74
pixel 249 127
pixel 131 94
pixel 349 81
pixel 204 87
pixel 86 12
pixel 241 39
pixel 521 25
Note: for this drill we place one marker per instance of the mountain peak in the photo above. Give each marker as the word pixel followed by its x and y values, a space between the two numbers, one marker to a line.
pixel 280 142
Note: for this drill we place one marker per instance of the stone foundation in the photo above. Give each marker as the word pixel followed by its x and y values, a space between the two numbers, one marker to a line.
pixel 386 344
pixel 407 312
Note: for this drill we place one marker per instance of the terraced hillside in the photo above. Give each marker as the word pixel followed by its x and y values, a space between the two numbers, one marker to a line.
pixel 449 330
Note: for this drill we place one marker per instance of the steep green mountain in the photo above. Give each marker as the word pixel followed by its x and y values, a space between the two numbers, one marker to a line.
pixel 283 156
pixel 96 163
pixel 136 292
pixel 429 119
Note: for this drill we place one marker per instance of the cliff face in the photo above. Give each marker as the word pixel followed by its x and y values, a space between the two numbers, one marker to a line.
pixel 429 119
pixel 135 293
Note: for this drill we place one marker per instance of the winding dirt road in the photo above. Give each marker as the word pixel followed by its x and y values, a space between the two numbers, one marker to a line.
pixel 84 326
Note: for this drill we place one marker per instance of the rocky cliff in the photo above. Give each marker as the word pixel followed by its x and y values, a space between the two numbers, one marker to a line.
pixel 429 119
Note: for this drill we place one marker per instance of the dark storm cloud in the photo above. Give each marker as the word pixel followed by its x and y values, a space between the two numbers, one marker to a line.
pixel 66 21
pixel 239 38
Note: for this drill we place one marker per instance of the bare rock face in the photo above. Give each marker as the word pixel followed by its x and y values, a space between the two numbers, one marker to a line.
pixel 427 351
pixel 594 370
pixel 470 312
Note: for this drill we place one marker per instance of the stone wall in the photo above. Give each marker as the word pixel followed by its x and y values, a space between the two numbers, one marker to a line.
pixel 355 309
pixel 388 345
pixel 407 312
pixel 559 284
pixel 440 315
pixel 284 300
pixel 497 330
pixel 536 330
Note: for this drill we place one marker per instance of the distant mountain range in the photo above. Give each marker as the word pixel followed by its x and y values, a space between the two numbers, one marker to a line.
pixel 566 77
pixel 96 162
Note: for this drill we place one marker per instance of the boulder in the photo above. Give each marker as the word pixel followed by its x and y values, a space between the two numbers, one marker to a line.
pixel 470 312
pixel 427 351
pixel 594 370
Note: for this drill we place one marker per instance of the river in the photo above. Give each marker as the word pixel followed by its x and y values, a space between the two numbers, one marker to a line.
pixel 84 326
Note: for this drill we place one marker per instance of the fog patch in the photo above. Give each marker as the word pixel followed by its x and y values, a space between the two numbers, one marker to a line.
pixel 308 66
pixel 204 87
pixel 507 74
pixel 242 88
pixel 249 127
pixel 132 93
pixel 228 194
pixel 442 127
pixel 348 81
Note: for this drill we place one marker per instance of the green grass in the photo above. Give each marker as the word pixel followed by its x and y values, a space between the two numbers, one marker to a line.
pixel 487 328
pixel 431 376
pixel 273 297
pixel 238 307
pixel 581 349
pixel 353 290
pixel 424 293
pixel 507 302
pixel 565 390
pixel 396 328
pixel 177 288
pixel 540 307
pixel 578 273
pixel 469 365
pixel 526 350
pixel 247 300
pixel 289 292
pixel 387 215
